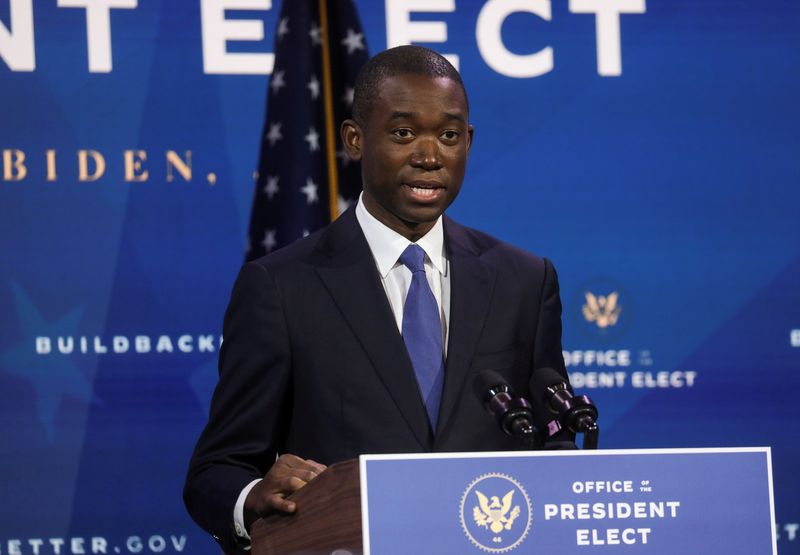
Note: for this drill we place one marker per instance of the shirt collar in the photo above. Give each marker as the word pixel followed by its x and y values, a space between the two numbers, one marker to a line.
pixel 387 245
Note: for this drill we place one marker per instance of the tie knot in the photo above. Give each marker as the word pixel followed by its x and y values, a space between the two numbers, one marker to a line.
pixel 413 258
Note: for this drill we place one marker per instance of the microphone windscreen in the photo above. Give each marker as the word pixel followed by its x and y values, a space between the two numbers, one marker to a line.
pixel 541 379
pixel 485 381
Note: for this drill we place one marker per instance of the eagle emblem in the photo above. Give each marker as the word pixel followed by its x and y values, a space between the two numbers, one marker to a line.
pixel 494 514
pixel 491 510
pixel 603 310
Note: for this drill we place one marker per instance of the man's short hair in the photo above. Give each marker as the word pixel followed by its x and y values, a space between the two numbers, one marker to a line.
pixel 401 60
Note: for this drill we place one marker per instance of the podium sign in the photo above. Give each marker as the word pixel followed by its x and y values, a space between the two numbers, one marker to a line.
pixel 655 501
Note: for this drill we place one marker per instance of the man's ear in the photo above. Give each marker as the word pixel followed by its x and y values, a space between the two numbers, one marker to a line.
pixel 352 138
pixel 470 136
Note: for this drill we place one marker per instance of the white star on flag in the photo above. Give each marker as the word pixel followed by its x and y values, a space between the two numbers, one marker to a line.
pixel 277 81
pixel 343 156
pixel 283 28
pixel 313 86
pixel 353 41
pixel 347 97
pixel 310 191
pixel 272 186
pixel 306 233
pixel 316 34
pixel 312 139
pixel 342 203
pixel 274 135
pixel 269 240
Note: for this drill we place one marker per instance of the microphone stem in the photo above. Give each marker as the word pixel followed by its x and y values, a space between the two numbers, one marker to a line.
pixel 523 430
pixel 591 433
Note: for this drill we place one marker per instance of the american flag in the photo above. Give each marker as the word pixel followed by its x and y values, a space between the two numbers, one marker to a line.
pixel 305 179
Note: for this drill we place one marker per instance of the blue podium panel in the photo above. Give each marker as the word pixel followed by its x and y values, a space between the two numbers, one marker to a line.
pixel 655 501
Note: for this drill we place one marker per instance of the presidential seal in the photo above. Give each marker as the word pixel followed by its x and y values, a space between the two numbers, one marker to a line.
pixel 496 513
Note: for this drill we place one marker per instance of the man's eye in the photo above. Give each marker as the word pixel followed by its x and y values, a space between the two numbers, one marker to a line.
pixel 450 136
pixel 402 133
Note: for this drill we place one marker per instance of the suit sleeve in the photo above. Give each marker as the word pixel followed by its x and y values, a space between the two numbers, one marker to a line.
pixel 250 407
pixel 547 351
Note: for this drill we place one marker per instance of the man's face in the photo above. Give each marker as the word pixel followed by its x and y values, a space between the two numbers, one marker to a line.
pixel 413 150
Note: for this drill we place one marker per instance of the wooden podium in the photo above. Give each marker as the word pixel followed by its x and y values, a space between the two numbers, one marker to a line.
pixel 714 500
pixel 328 517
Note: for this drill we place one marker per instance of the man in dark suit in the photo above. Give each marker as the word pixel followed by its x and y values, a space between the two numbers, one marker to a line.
pixel 367 336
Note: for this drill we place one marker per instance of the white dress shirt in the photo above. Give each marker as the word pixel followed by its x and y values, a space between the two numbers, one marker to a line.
pixel 386 246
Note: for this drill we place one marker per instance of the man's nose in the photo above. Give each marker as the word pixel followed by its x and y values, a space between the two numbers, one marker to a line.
pixel 427 155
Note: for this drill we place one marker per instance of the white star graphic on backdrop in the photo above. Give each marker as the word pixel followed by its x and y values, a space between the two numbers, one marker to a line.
pixel 271 188
pixel 306 233
pixel 342 155
pixel 343 204
pixel 274 135
pixel 316 34
pixel 283 28
pixel 310 191
pixel 347 97
pixel 312 139
pixel 353 41
pixel 52 384
pixel 269 241
pixel 277 81
pixel 313 86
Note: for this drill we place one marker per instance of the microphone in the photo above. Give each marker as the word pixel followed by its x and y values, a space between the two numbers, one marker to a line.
pixel 576 413
pixel 513 413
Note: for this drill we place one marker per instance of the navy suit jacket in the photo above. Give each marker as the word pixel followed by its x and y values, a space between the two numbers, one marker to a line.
pixel 312 362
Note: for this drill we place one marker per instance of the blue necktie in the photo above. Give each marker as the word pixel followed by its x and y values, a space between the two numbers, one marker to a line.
pixel 422 332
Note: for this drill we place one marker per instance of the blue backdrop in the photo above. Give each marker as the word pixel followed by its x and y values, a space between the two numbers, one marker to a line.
pixel 650 149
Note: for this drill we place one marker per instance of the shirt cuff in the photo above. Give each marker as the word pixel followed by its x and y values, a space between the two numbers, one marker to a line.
pixel 238 512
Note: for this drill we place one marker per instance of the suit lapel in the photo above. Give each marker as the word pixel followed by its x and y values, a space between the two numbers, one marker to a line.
pixel 350 275
pixel 471 284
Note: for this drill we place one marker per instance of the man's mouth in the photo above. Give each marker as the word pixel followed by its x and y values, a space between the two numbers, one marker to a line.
pixel 425 190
